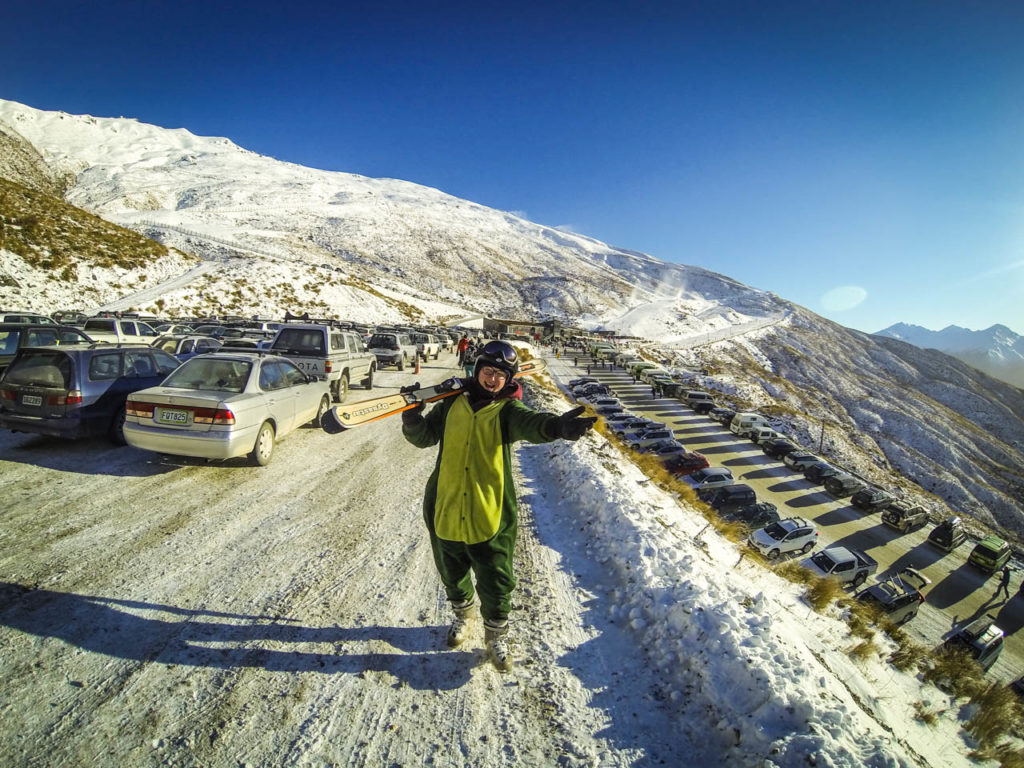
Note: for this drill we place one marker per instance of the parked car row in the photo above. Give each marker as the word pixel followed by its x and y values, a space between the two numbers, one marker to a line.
pixel 897 597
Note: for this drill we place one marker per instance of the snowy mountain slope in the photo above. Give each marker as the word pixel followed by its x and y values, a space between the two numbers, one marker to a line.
pixel 997 350
pixel 424 242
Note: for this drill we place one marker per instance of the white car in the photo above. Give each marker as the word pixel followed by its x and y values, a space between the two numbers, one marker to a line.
pixel 709 477
pixel 793 534
pixel 221 406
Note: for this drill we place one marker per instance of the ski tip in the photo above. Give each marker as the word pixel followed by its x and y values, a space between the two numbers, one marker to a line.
pixel 330 422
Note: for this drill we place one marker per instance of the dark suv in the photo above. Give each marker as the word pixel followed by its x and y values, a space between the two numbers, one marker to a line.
pixel 79 390
pixel 948 535
pixel 728 498
pixel 872 499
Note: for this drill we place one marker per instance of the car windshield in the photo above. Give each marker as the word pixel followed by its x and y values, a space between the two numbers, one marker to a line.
pixel 822 560
pixel 383 341
pixel 210 374
pixel 776 531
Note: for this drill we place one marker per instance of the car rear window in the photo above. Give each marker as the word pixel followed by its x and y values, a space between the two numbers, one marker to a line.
pixel 47 369
pixel 300 340
pixel 384 341
pixel 210 374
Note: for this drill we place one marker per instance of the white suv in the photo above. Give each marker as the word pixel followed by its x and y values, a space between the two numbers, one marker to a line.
pixel 794 534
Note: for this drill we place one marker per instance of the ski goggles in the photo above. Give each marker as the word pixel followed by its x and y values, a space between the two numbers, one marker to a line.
pixel 499 351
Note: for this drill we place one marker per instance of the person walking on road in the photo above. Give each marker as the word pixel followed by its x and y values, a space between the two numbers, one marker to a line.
pixel 1004 584
pixel 469 505
pixel 461 348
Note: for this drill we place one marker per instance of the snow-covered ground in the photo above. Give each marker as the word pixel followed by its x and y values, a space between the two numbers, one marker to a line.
pixel 174 613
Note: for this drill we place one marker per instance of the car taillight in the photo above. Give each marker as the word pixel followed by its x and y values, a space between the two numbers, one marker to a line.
pixel 7 394
pixel 327 366
pixel 71 397
pixel 141 410
pixel 213 416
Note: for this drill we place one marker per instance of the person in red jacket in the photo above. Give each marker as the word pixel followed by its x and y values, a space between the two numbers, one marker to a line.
pixel 461 349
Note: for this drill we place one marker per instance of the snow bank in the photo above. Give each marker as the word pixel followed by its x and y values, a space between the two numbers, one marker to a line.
pixel 752 672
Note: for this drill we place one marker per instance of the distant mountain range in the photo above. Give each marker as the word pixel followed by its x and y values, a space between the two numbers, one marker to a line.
pixel 997 351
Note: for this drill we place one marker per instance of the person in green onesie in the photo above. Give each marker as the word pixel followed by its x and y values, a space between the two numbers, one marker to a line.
pixel 470 504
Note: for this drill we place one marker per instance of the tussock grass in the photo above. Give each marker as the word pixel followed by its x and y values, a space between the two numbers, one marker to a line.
pixel 923 714
pixel 998 711
pixel 953 670
pixel 822 593
pixel 50 234
pixel 1005 754
pixel 862 650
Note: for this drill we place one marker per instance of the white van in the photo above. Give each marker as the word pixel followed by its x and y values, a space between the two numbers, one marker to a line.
pixel 744 424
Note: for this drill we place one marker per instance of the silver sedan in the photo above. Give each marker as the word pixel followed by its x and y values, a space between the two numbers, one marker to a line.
pixel 220 406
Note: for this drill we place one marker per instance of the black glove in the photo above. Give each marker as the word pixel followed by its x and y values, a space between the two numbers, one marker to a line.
pixel 413 415
pixel 570 427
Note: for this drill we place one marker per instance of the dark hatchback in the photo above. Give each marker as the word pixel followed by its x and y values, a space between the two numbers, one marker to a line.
pixel 777 447
pixel 79 390
pixel 818 471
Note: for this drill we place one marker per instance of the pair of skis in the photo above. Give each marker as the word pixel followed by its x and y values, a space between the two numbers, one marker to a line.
pixel 349 415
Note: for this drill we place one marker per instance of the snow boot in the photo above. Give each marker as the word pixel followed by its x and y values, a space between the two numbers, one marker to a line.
pixel 460 624
pixel 496 640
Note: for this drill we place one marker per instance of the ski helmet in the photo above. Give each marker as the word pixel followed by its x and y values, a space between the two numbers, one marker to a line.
pixel 500 355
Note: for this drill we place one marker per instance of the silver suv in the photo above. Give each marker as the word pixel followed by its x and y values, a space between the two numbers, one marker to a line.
pixel 794 534
pixel 328 353
pixel 397 349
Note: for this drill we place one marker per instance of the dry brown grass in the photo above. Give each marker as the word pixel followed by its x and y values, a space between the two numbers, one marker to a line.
pixel 862 650
pixel 998 711
pixel 923 714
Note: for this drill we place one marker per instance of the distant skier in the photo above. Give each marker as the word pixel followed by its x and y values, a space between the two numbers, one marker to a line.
pixel 470 505
pixel 461 348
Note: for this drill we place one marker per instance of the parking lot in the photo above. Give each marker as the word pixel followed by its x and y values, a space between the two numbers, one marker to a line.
pixel 958 592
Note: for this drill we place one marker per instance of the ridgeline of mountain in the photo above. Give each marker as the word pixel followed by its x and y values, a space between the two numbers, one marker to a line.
pixel 272 236
pixel 997 350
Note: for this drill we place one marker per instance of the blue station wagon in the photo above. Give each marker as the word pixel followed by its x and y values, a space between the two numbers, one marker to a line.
pixel 76 391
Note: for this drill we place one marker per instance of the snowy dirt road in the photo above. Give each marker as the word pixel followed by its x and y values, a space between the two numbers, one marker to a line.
pixel 165 611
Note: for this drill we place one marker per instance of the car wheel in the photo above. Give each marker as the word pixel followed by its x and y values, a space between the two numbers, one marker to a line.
pixel 807 547
pixel 117 428
pixel 325 405
pixel 773 554
pixel 341 393
pixel 401 363
pixel 859 579
pixel 264 447
pixel 368 381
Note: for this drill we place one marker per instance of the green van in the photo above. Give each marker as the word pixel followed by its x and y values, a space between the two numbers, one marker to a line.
pixel 990 554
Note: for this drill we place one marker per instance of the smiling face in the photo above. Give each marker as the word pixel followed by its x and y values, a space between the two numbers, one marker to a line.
pixel 492 379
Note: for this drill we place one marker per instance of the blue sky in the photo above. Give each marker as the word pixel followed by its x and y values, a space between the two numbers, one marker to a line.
pixel 863 159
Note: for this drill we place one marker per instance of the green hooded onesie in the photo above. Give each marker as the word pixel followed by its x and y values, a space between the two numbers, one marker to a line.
pixel 470 504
